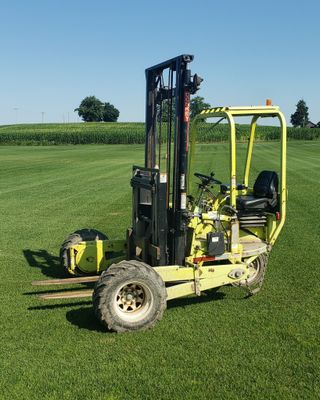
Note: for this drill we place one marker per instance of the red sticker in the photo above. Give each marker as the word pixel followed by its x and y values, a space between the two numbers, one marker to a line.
pixel 186 107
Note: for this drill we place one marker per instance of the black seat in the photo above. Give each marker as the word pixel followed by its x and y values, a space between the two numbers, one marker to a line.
pixel 265 193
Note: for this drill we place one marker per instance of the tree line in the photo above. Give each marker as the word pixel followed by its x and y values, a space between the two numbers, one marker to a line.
pixel 91 109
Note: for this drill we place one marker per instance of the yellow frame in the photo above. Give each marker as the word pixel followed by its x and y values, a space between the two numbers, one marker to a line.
pixel 255 112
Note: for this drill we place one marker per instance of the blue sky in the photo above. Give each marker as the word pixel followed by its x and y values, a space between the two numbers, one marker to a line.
pixel 54 53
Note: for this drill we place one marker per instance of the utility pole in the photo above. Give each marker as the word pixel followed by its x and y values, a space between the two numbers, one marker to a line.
pixel 42 116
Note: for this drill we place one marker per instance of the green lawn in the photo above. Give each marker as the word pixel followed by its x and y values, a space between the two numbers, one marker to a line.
pixel 219 346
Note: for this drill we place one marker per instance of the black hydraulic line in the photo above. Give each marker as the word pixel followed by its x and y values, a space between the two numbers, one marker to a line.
pixel 217 123
pixel 161 86
pixel 169 132
pixel 160 135
pixel 176 140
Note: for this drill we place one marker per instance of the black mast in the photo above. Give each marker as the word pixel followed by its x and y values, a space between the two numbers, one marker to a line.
pixel 159 217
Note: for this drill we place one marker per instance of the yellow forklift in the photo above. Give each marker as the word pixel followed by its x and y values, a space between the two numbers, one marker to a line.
pixel 178 244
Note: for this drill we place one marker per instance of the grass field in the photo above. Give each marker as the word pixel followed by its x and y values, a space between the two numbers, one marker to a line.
pixel 219 346
pixel 129 133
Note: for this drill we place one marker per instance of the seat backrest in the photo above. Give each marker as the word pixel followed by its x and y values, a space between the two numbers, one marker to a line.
pixel 266 184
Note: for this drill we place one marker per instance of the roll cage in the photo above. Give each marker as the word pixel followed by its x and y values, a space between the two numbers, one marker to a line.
pixel 229 113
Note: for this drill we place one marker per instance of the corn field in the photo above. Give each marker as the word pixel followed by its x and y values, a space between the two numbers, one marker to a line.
pixel 130 133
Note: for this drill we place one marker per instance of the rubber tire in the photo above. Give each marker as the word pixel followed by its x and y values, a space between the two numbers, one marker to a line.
pixel 110 283
pixel 81 235
pixel 261 262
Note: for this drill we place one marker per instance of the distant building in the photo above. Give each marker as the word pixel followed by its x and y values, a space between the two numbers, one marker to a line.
pixel 311 125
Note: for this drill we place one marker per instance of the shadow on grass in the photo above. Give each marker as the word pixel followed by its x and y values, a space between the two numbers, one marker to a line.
pixel 48 263
pixel 84 317
pixel 209 295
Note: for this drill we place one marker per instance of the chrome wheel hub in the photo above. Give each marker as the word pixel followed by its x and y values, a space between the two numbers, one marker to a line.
pixel 131 298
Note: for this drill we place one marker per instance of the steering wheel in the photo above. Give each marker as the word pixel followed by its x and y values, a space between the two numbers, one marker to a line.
pixel 206 179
